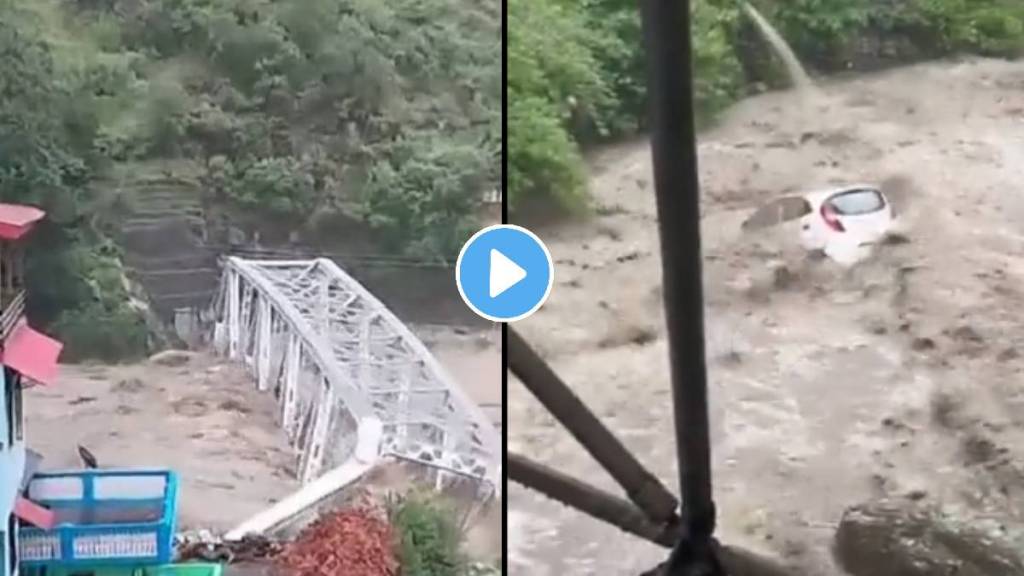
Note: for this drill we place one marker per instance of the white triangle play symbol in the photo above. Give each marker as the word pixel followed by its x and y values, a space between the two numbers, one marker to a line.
pixel 504 273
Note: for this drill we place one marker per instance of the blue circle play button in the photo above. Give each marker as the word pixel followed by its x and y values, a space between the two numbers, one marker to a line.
pixel 504 273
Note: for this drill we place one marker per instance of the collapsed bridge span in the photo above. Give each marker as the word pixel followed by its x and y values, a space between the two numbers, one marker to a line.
pixel 353 383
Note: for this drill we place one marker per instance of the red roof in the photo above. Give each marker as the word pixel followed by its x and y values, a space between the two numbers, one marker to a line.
pixel 32 354
pixel 17 219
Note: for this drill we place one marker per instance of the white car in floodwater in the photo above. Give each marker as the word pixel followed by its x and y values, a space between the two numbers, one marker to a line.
pixel 843 223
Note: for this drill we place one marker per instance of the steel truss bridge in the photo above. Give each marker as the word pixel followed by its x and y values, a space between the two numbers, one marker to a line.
pixel 351 380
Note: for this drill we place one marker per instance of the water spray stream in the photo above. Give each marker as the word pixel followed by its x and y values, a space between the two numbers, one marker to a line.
pixel 797 74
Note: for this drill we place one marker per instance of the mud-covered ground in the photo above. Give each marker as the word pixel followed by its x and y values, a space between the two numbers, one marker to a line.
pixel 898 377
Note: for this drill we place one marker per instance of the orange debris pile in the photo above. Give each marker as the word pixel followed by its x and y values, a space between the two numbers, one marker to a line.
pixel 355 542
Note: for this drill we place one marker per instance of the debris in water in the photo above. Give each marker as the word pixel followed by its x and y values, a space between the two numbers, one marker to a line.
pixel 609 231
pixel 204 546
pixel 171 358
pixel 732 358
pixel 629 256
pixel 895 239
pixel 233 405
pixel 1008 355
pixel 923 343
pixel 946 409
pixel 978 449
pixel 129 386
pixel 917 495
pixel 782 277
pixel 629 333
pixel 878 328
pixel 88 459
pixel 967 333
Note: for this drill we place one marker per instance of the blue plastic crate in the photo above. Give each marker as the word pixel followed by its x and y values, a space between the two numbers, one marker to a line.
pixel 109 517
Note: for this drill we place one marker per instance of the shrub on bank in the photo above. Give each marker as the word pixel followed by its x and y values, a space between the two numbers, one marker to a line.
pixel 428 538
pixel 834 34
pixel 102 332
pixel 555 81
pixel 544 161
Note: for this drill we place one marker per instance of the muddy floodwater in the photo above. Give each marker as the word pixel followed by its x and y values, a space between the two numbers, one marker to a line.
pixel 205 420
pixel 829 386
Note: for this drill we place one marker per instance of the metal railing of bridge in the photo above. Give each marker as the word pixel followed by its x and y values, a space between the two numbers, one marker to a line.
pixel 351 380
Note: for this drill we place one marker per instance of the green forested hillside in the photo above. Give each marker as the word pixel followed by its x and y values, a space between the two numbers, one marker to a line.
pixel 576 73
pixel 383 110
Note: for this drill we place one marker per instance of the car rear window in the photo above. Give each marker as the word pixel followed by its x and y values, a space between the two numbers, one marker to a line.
pixel 857 202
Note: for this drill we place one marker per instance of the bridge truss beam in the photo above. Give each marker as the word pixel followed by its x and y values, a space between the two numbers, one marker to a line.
pixel 351 380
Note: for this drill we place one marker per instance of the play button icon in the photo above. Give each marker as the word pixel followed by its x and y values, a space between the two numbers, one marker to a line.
pixel 504 273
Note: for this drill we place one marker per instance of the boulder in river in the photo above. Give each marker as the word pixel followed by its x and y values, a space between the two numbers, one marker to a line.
pixel 888 538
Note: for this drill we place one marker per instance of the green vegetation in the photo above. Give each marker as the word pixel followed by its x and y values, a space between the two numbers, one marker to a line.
pixel 576 70
pixel 428 537
pixel 46 133
pixel 388 110
pixel 825 32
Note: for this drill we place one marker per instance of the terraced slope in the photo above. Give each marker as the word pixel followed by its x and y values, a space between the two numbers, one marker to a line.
pixel 163 240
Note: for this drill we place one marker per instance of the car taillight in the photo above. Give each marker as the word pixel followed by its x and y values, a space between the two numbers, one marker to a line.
pixel 829 215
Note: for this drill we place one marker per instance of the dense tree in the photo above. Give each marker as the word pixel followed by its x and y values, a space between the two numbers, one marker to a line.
pixel 387 110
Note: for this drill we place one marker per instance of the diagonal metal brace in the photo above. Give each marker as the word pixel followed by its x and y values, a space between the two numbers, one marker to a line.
pixel 590 500
pixel 642 487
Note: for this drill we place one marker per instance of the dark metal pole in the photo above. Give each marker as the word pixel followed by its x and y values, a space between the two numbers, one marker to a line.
pixel 642 487
pixel 593 501
pixel 667 36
